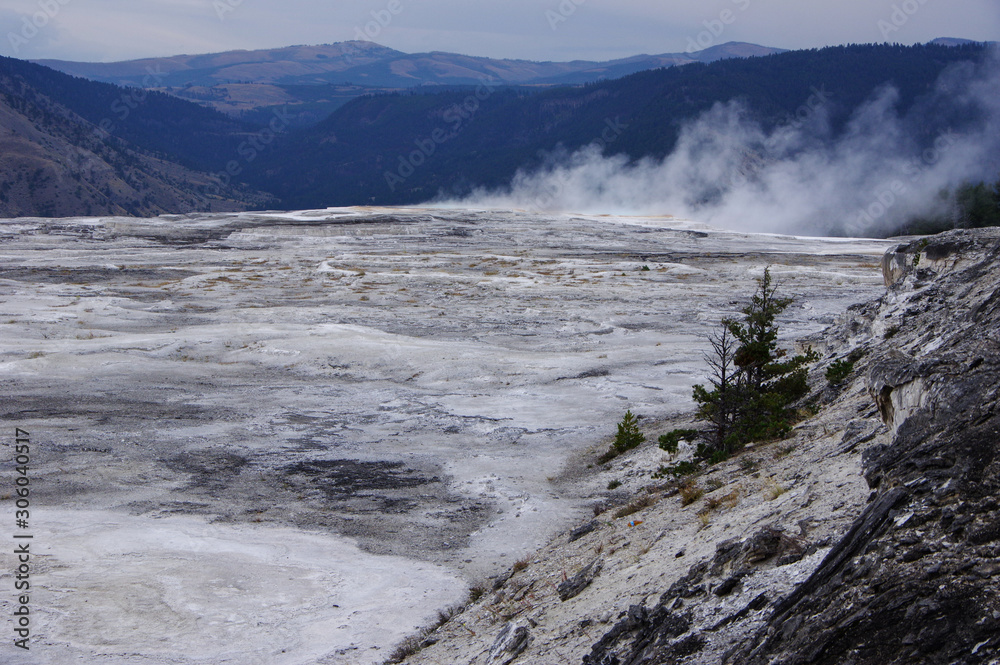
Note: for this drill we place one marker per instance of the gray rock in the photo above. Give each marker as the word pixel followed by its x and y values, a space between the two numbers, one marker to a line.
pixel 583 530
pixel 914 579
pixel 575 585
pixel 513 639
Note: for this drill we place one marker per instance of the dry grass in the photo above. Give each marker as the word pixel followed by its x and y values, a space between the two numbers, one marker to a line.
pixel 414 643
pixel 725 501
pixel 784 451
pixel 690 492
pixel 772 489
pixel 730 500
pixel 645 501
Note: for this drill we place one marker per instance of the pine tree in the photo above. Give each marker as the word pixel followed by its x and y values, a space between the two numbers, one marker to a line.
pixel 719 406
pixel 758 334
pixel 628 436
pixel 751 386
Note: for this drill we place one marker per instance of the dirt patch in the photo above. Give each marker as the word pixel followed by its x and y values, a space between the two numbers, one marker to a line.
pixel 92 275
pixel 345 477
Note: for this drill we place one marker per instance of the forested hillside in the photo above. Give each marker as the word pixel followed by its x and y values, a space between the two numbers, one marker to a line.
pixel 74 147
pixel 406 148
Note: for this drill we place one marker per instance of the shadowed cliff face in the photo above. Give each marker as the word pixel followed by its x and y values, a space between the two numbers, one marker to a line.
pixel 917 578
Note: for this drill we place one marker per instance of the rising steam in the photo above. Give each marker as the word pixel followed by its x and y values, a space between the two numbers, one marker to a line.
pixel 880 171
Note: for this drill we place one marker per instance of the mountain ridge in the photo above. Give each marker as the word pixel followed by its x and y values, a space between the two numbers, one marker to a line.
pixel 462 138
pixel 319 79
pixel 275 64
pixel 365 151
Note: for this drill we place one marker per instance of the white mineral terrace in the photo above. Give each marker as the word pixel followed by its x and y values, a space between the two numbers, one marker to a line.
pixel 290 438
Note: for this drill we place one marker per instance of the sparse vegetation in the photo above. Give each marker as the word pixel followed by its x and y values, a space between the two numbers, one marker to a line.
pixel 614 484
pixel 751 387
pixel 415 643
pixel 690 492
pixel 784 451
pixel 772 489
pixel 682 468
pixel 644 501
pixel 838 371
pixel 628 437
pixel 730 500
pixel 671 440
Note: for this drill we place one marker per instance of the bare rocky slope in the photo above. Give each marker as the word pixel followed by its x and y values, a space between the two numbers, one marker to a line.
pixel 58 163
pixel 870 535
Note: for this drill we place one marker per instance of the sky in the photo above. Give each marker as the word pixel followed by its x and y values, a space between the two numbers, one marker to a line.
pixel 111 30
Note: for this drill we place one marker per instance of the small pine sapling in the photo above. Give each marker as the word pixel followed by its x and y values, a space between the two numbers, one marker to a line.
pixel 628 436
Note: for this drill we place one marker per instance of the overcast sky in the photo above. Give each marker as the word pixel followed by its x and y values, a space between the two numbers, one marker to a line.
pixel 108 30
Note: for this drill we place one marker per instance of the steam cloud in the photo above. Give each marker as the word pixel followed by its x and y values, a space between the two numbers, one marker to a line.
pixel 878 172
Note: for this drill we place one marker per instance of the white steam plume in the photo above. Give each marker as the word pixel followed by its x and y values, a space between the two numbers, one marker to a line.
pixel 879 172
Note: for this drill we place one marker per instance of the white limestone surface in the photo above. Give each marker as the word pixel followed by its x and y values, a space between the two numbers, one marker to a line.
pixel 238 419
pixel 115 588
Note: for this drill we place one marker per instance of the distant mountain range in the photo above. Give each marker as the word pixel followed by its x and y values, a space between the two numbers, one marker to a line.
pixel 407 148
pixel 313 81
pixel 370 64
pixel 73 146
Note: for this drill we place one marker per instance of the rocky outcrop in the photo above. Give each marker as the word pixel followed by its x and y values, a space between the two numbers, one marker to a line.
pixel 574 586
pixel 871 536
pixel 917 578
pixel 510 643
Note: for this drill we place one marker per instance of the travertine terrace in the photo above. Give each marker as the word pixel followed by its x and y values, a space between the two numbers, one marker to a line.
pixel 291 438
